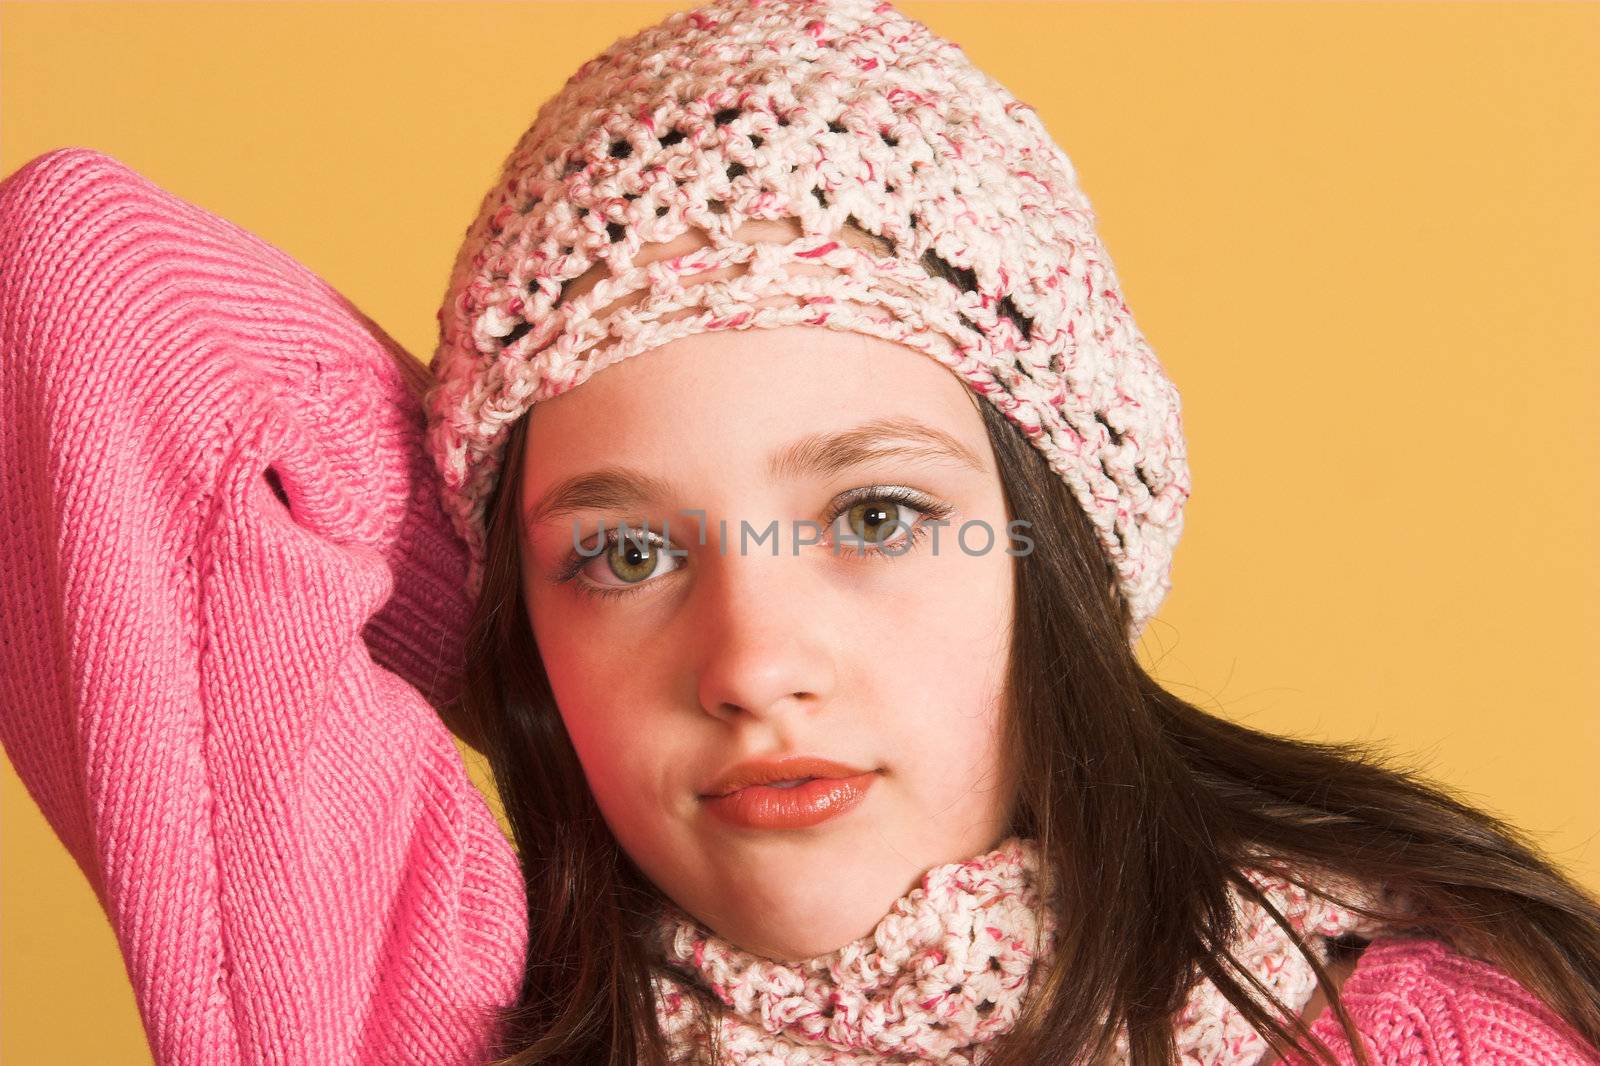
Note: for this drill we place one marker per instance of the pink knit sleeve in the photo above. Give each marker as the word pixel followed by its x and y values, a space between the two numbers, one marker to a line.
pixel 1417 1002
pixel 228 590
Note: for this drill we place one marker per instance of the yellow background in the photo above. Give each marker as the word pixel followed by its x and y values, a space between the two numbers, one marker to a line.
pixel 1362 238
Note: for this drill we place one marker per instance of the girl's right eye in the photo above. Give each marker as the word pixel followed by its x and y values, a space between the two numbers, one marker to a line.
pixel 628 558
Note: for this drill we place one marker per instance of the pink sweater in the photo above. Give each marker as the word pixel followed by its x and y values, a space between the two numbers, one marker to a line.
pixel 223 702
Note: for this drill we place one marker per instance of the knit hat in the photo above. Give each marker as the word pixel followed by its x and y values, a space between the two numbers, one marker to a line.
pixel 825 115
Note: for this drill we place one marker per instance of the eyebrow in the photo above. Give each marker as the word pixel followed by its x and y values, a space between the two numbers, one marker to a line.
pixel 818 454
pixel 829 453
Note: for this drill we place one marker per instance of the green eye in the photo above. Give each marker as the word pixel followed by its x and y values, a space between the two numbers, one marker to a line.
pixel 873 521
pixel 619 561
pixel 633 559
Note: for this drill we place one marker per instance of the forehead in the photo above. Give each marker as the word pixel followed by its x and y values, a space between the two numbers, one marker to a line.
pixel 704 421
pixel 711 406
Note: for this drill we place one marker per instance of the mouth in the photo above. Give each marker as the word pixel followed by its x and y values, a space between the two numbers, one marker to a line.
pixel 779 774
pixel 796 783
pixel 801 803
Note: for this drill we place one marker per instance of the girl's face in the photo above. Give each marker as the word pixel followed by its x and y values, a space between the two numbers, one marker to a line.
pixel 669 669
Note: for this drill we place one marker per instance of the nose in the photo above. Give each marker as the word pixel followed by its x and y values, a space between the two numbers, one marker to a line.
pixel 765 636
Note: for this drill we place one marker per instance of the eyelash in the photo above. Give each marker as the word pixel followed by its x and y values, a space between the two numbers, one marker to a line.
pixel 917 501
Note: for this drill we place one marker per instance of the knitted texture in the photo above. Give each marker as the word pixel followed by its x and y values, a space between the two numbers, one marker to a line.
pixel 230 595
pixel 1417 1002
pixel 212 692
pixel 828 114
pixel 947 969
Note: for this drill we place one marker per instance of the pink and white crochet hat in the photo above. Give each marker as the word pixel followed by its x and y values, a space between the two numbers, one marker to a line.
pixel 768 130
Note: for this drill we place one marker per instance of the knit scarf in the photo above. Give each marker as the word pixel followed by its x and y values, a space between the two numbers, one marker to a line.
pixel 947 969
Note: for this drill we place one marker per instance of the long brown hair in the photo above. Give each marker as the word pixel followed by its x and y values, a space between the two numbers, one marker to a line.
pixel 1146 809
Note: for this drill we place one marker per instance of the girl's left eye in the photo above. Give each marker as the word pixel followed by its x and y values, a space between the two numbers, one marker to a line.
pixel 877 521
pixel 883 521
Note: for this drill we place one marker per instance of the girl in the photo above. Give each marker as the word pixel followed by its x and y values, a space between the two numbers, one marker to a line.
pixel 801 648
pixel 851 794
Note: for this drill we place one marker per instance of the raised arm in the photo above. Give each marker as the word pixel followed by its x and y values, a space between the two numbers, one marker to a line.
pixel 229 593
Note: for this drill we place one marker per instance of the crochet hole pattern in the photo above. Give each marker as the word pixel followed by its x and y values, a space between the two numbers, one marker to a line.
pixel 1116 438
pixel 963 278
pixel 966 279
pixel 517 333
pixel 852 233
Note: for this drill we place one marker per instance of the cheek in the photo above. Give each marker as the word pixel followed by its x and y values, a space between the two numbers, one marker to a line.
pixel 623 740
pixel 955 629
pixel 941 669
pixel 606 691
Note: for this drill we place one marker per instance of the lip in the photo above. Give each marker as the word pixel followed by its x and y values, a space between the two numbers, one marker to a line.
pixel 783 768
pixel 798 807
